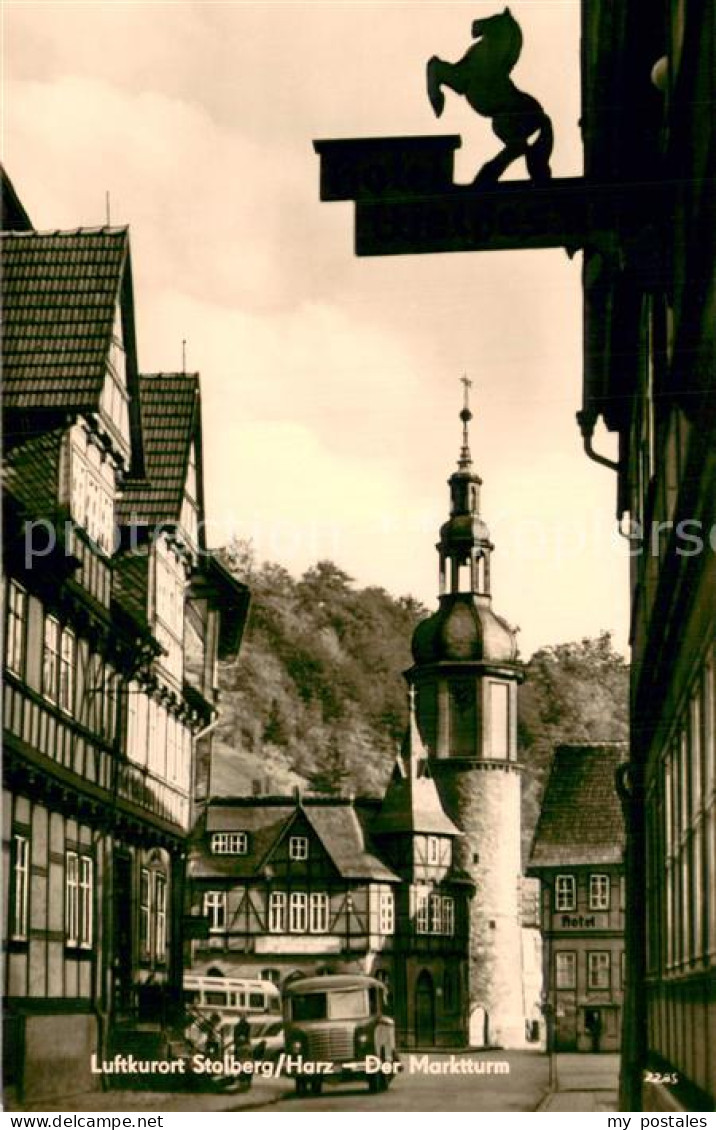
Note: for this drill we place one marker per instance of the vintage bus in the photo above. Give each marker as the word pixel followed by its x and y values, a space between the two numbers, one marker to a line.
pixel 336 1027
pixel 223 1000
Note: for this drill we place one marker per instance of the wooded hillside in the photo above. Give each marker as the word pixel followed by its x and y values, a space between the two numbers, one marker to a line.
pixel 317 697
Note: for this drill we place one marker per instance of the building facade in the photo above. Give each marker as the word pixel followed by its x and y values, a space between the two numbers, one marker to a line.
pixel 100 721
pixel 466 676
pixel 308 884
pixel 577 854
pixel 648 102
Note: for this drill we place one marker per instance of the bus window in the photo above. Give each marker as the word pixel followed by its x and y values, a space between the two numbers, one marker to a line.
pixel 351 1005
pixel 312 1006
pixel 257 1000
pixel 215 998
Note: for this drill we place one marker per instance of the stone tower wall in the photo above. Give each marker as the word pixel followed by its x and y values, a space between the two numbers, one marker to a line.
pixel 484 801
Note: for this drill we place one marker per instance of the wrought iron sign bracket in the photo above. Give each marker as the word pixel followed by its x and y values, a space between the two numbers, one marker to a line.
pixel 406 203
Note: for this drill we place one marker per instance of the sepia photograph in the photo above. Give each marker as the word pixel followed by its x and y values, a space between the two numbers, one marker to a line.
pixel 359 524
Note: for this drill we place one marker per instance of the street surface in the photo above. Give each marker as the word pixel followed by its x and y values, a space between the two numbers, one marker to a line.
pixel 580 1083
pixel 573 1073
pixel 520 1090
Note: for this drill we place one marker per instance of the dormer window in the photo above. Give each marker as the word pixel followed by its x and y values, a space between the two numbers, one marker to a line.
pixel 229 843
pixel 298 847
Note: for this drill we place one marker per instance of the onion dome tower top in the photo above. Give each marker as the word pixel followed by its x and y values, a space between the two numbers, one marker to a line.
pixel 464 627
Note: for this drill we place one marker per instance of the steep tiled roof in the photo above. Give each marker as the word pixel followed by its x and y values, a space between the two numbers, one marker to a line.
pixel 31 469
pixel 60 292
pixel 581 819
pixel 266 820
pixel 169 405
pixel 339 830
pixel 131 580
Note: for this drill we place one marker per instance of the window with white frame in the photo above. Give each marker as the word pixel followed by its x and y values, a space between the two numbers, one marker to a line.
pixel 298 912
pixel 145 912
pixel 157 738
pixel 318 912
pixel 109 702
pixel 115 400
pixel 92 488
pixel 277 912
pixel 298 847
pixel 422 910
pixel 169 587
pixel 51 658
pixel 599 892
pixel 172 759
pixel 86 901
pixel 189 510
pixel 79 900
pixel 436 914
pixel 448 915
pixel 599 969
pixel 433 850
pixel 386 912
pixel 66 694
pixel 20 894
pixel 215 910
pixel 160 916
pixel 72 898
pixel 137 712
pixel 229 843
pixel 15 628
pixel 565 969
pixel 59 659
pixel 565 892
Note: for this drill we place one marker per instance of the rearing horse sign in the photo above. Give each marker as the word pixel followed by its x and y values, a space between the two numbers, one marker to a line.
pixel 482 76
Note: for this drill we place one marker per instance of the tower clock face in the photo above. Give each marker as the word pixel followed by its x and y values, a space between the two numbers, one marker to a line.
pixel 461 633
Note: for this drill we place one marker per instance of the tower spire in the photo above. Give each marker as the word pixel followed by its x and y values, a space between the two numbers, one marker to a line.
pixel 465 461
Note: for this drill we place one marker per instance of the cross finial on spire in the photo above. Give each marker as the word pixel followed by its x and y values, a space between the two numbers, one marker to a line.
pixel 465 460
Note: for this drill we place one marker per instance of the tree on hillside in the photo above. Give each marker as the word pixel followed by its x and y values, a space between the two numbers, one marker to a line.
pixel 318 690
pixel 573 692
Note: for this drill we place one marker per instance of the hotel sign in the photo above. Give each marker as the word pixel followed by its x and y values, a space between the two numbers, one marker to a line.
pixel 296 944
pixel 580 922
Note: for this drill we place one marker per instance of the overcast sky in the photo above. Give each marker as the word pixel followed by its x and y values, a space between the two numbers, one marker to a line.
pixel 330 384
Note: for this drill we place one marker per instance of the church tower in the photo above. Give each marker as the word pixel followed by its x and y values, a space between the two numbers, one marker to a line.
pixel 466 675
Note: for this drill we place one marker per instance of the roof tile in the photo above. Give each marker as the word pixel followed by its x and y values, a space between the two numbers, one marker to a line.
pixel 581 821
pixel 60 292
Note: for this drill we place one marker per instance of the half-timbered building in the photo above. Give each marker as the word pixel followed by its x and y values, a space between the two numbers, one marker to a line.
pixel 578 855
pixel 305 884
pixel 648 122
pixel 100 720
